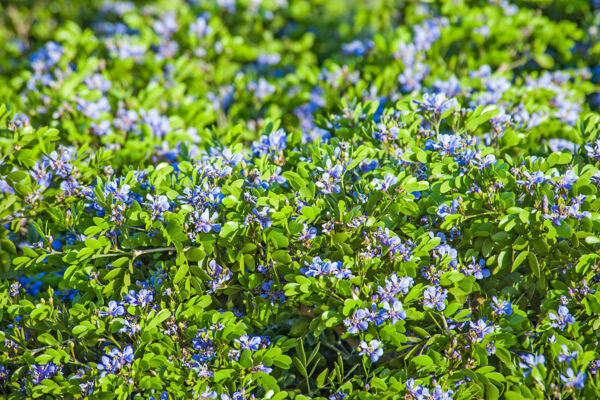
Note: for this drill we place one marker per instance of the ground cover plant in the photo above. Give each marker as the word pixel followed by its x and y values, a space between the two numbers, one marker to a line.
pixel 300 199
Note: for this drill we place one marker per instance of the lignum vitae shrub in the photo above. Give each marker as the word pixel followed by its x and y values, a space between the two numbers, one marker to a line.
pixel 299 200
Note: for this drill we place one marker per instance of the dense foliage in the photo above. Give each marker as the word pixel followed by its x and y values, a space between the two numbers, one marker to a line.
pixel 327 199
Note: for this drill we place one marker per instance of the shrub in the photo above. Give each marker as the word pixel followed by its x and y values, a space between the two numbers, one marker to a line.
pixel 299 199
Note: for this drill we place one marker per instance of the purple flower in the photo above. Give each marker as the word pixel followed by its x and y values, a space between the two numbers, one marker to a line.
pixel 562 319
pixel 373 349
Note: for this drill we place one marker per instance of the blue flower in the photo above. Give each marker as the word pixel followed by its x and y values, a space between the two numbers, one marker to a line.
pixel 275 143
pixel 566 181
pixel 530 361
pixel 477 270
pixel 40 372
pixel 3 372
pixel 358 322
pixel 320 267
pixel 561 319
pixel 329 180
pixel 261 216
pixel 436 103
pixel 388 181
pixel 446 144
pixel 394 286
pixel 130 327
pixel 59 162
pixel 308 233
pixel 205 222
pixel 593 150
pixel 357 48
pixel 373 349
pixel 566 356
pixel 159 124
pixel 536 178
pixel 220 276
pixel 115 360
pixel 157 206
pixel 46 57
pixel 445 210
pixel 119 192
pixel 573 381
pixel 141 299
pixel 434 296
pixel 262 368
pixel 384 135
pixel 252 343
pixel 479 330
pixel 394 312
pixel 501 307
pixel 14 288
pixel 40 175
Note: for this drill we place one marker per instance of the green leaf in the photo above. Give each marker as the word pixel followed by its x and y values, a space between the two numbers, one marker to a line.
pixel 519 260
pixel 534 264
pixel 559 158
pixel 422 360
